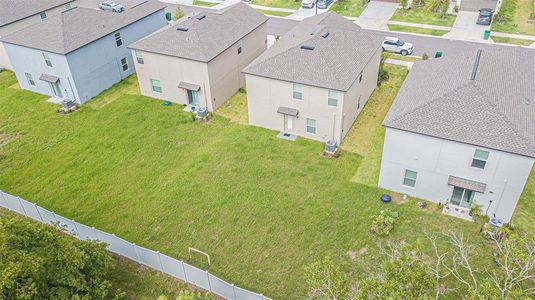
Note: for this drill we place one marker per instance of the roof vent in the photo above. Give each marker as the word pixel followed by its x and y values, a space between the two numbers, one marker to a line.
pixel 325 34
pixel 476 65
pixel 528 101
pixel 200 17
pixel 180 28
pixel 307 47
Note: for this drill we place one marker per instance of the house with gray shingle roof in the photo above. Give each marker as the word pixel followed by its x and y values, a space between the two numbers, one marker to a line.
pixel 80 52
pixel 315 80
pixel 462 131
pixel 197 61
pixel 17 14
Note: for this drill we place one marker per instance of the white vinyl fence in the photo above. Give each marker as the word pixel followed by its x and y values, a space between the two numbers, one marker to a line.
pixel 154 259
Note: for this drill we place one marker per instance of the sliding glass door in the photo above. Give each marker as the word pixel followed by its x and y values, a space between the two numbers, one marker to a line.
pixel 462 197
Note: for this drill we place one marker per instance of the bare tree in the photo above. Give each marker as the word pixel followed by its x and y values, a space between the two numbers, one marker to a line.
pixel 437 269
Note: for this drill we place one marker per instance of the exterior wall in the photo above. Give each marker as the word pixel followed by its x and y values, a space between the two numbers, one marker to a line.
pixel 20 24
pixel 171 71
pixel 265 96
pixel 436 159
pixel 224 70
pixel 97 66
pixel 28 60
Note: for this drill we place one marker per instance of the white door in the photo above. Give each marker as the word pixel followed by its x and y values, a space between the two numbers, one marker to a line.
pixel 289 123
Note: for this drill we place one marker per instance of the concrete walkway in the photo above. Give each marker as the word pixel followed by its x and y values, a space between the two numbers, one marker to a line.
pixel 465 28
pixel 437 27
pixel 376 15
pixel 514 36
pixel 398 62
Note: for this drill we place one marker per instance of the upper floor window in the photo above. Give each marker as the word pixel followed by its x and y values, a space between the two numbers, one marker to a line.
pixel 332 98
pixel 43 16
pixel 47 59
pixel 480 159
pixel 29 77
pixel 67 6
pixel 139 57
pixel 239 47
pixel 297 91
pixel 410 178
pixel 118 39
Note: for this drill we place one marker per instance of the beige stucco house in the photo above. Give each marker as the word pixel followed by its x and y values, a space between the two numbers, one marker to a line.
pixel 315 80
pixel 18 14
pixel 197 61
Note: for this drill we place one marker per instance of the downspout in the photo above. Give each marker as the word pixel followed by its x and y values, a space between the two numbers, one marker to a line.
pixel 501 195
pixel 72 90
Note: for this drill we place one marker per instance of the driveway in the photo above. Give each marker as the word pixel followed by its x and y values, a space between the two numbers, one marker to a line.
pixel 303 13
pixel 465 27
pixel 376 15
pixel 476 5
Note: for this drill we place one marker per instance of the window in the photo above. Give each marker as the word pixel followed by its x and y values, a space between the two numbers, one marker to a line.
pixel 47 59
pixel 410 178
pixel 311 126
pixel 124 64
pixel 118 40
pixel 30 79
pixel 332 98
pixel 67 6
pixel 239 46
pixel 139 57
pixel 298 91
pixel 480 159
pixel 360 77
pixel 43 16
pixel 358 104
pixel 156 86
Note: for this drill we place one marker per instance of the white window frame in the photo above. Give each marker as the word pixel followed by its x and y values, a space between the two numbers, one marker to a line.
pixel 480 159
pixel 405 178
pixel 43 16
pixel 308 127
pixel 67 6
pixel 139 57
pixel 47 59
pixel 152 81
pixel 125 64
pixel 332 98
pixel 29 78
pixel 297 89
pixel 118 39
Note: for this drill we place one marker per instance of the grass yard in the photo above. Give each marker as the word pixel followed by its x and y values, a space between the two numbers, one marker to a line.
pixel 262 207
pixel 525 210
pixel 204 3
pixel 274 12
pixel 506 40
pixel 423 16
pixel 408 58
pixel 349 8
pixel 292 4
pixel 515 12
pixel 419 30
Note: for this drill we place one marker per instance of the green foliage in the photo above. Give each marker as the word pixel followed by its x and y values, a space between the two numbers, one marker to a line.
pixel 425 56
pixel 384 222
pixel 404 3
pixel 179 13
pixel 506 13
pixel 383 72
pixel 41 262
pixel 189 295
pixel 325 280
pixel 439 7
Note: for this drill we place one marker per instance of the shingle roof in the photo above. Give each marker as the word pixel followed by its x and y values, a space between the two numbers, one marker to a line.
pixel 495 110
pixel 206 38
pixel 78 27
pixel 335 62
pixel 14 10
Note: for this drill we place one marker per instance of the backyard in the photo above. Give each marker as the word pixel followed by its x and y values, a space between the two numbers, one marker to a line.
pixel 261 207
pixel 515 16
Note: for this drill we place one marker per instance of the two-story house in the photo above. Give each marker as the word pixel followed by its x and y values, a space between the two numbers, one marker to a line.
pixel 17 14
pixel 197 61
pixel 315 80
pixel 462 131
pixel 80 52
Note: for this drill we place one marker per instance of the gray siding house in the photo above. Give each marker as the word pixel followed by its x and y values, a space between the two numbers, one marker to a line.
pixel 315 80
pixel 80 52
pixel 462 131
pixel 17 14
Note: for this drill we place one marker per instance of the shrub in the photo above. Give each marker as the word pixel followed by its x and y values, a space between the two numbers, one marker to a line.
pixel 384 222
pixel 425 56
pixel 383 73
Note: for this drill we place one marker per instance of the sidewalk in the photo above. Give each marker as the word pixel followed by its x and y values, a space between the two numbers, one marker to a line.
pixel 398 62
pixel 437 27
pixel 514 36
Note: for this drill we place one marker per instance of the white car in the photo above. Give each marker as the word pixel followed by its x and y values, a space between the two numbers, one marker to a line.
pixel 396 45
pixel 308 3
pixel 110 5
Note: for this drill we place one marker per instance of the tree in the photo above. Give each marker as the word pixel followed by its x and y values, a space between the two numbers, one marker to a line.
pixel 179 13
pixel 404 3
pixel 326 281
pixel 40 261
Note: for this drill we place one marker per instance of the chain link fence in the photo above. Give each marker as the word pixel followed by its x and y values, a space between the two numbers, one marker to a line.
pixel 154 259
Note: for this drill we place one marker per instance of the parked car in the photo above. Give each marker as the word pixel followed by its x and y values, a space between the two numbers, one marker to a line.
pixel 485 16
pixel 308 3
pixel 110 5
pixel 323 4
pixel 396 45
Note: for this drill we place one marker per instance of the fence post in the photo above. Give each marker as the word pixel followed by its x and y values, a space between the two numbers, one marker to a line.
pixel 76 228
pixel 234 291
pixel 3 197
pixel 160 260
pixel 22 206
pixel 208 277
pixel 95 233
pixel 184 269
pixel 262 296
pixel 54 215
pixel 37 209
pixel 137 253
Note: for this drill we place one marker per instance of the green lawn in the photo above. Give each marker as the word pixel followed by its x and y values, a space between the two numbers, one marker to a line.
pixel 419 30
pixel 204 3
pixel 293 4
pixel 525 210
pixel 274 12
pixel 261 207
pixel 515 12
pixel 350 8
pixel 423 16
pixel 507 40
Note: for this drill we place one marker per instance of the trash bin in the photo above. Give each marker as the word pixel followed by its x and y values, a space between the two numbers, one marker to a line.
pixel 486 36
pixel 168 16
pixel 438 54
